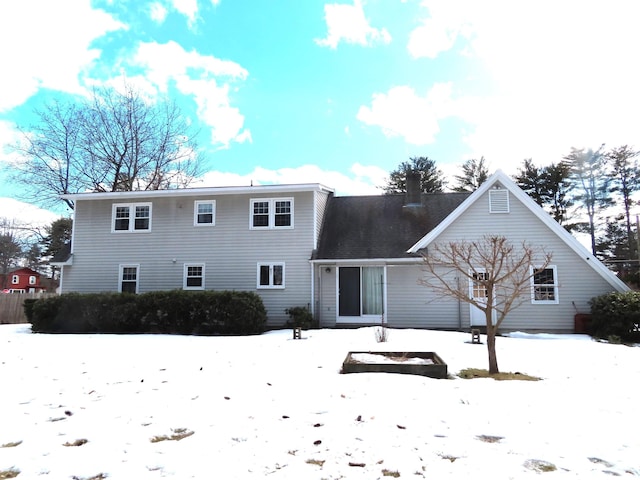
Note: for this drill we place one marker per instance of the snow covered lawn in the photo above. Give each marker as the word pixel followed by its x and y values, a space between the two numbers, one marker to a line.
pixel 180 407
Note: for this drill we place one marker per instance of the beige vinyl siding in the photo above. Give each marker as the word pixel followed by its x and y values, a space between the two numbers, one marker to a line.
pixel 230 249
pixel 413 305
pixel 578 282
pixel 326 287
pixel 321 199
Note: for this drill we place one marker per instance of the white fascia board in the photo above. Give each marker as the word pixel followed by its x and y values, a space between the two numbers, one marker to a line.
pixel 367 261
pixel 539 212
pixel 200 191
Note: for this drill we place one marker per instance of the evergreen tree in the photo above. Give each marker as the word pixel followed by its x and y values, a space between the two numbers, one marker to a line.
pixel 591 184
pixel 625 181
pixel 548 186
pixel 474 174
pixel 431 178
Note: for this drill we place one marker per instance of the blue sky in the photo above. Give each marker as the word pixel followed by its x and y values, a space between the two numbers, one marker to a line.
pixel 291 91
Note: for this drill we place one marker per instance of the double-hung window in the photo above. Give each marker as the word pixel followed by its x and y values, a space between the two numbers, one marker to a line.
pixel 204 212
pixel 32 279
pixel 131 217
pixel 544 285
pixel 270 275
pixel 129 278
pixel 15 279
pixel 193 276
pixel 269 213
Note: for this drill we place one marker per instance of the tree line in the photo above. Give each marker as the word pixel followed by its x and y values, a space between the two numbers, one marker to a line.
pixel 587 191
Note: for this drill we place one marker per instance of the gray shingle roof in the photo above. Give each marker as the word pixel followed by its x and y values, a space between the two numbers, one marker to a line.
pixel 380 226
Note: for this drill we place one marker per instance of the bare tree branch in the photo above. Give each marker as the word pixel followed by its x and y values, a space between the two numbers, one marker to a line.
pixel 492 264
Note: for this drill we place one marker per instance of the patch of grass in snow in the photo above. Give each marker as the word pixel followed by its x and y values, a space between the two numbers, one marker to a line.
pixel 313 461
pixel 540 466
pixel 178 434
pixel 481 373
pixel 390 473
pixel 489 438
pixel 76 443
pixel 451 458
pixel 100 476
pixel 11 473
pixel 11 444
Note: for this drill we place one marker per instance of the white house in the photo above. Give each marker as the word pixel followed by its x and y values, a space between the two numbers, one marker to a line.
pixel 351 260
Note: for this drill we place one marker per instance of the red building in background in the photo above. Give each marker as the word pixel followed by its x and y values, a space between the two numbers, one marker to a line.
pixel 22 280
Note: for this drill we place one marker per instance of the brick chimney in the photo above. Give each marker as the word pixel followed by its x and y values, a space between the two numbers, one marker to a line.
pixel 413 195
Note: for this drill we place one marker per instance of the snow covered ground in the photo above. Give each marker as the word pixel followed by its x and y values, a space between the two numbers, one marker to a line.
pixel 268 406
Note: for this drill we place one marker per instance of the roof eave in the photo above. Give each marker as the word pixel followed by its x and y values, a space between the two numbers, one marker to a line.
pixel 193 192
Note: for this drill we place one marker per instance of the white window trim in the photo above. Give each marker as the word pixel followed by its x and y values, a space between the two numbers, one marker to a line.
pixel 271 286
pixel 32 280
pixel 15 280
pixel 121 268
pixel 184 277
pixel 556 289
pixel 132 218
pixel 272 213
pixel 195 213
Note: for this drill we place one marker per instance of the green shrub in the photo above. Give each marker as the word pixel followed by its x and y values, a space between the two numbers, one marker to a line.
pixel 175 311
pixel 28 308
pixel 616 315
pixel 299 317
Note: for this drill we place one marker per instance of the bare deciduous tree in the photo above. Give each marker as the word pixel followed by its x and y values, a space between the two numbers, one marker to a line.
pixel 500 269
pixel 115 141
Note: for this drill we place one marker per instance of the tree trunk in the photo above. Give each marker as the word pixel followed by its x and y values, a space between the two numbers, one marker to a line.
pixel 491 342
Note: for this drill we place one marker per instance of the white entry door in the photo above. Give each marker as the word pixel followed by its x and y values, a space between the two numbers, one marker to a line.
pixel 478 292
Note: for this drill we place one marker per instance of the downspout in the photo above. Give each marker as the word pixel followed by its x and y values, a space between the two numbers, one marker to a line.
pixel 313 291
pixel 459 306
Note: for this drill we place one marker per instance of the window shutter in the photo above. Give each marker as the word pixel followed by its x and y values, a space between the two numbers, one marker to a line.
pixel 499 201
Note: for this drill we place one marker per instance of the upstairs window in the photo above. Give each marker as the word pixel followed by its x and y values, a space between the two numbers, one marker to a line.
pixel 131 217
pixel 271 275
pixel 32 279
pixel 15 279
pixel 544 285
pixel 204 212
pixel 193 276
pixel 269 213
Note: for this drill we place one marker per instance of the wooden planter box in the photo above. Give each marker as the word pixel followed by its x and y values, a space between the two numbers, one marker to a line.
pixel 396 362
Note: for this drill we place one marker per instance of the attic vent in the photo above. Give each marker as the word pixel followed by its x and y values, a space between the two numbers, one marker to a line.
pixel 499 201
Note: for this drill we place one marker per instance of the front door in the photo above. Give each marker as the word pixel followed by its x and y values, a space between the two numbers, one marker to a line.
pixel 360 294
pixel 478 292
pixel 349 292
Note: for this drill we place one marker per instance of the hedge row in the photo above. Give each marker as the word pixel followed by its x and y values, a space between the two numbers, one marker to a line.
pixel 176 311
pixel 616 315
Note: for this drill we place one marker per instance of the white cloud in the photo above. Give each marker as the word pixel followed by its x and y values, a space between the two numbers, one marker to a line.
pixel 158 12
pixel 46 46
pixel 401 112
pixel 25 214
pixel 204 77
pixel 559 74
pixel 188 8
pixel 364 180
pixel 348 23
pixel 437 33
pixel 9 136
